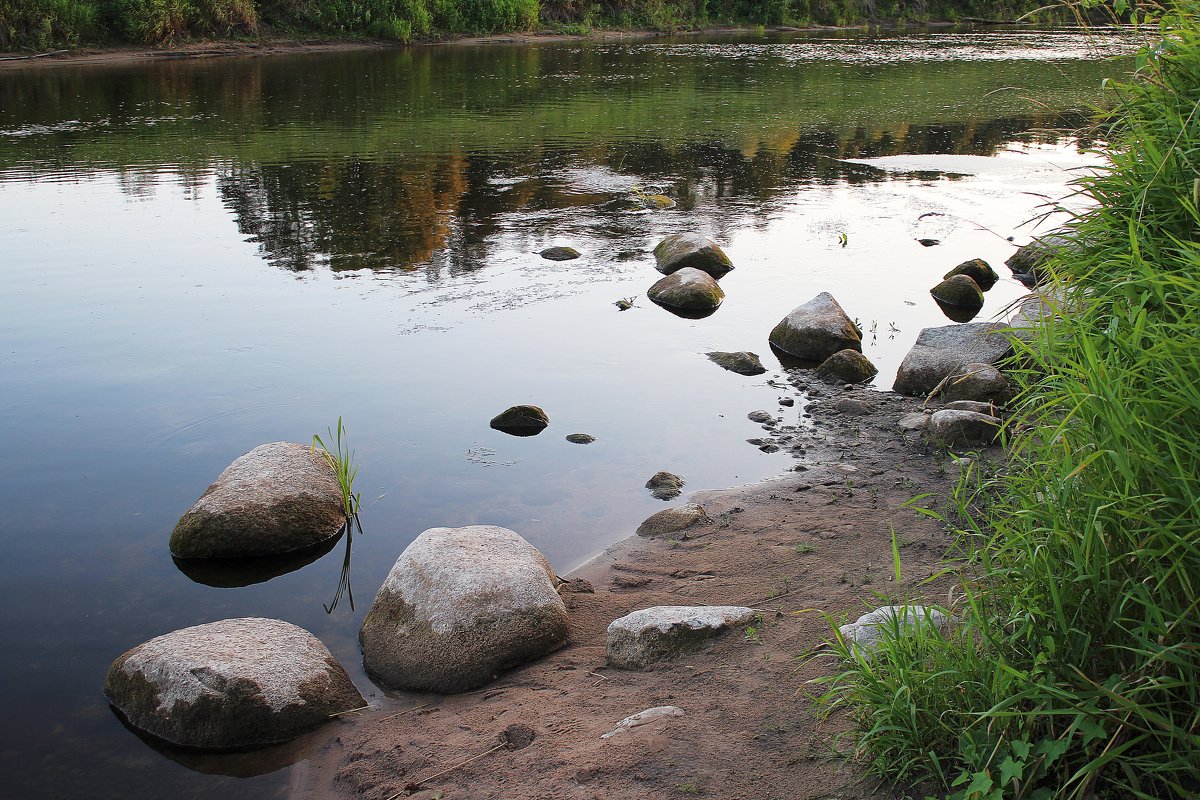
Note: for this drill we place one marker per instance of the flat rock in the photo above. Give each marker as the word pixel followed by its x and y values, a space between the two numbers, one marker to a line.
pixel 580 438
pixel 691 250
pixel 962 428
pixel 743 362
pixel 522 420
pixel 940 351
pixel 761 416
pixel 665 485
pixel 977 270
pixel 978 382
pixel 559 253
pixel 644 718
pixel 278 498
pixel 846 366
pixel 689 289
pixel 230 685
pixel 459 606
pixel 672 520
pixel 662 633
pixel 816 330
pixel 868 631
pixel 914 423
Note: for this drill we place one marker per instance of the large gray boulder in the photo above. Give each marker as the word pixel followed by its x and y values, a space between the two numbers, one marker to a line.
pixel 691 250
pixel 980 382
pixel 689 289
pixel 459 606
pixel 230 685
pixel 278 498
pixel 816 330
pixel 955 428
pixel 940 351
pixel 661 633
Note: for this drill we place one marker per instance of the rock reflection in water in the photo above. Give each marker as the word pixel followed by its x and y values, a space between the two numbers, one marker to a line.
pixel 229 573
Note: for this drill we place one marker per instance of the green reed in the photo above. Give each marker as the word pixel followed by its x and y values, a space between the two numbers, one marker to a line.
pixel 341 459
pixel 1075 669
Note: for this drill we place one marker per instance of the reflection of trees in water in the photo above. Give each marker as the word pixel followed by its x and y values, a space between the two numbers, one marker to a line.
pixel 442 213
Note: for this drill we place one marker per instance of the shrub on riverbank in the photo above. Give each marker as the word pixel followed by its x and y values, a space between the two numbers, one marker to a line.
pixel 1076 671
pixel 49 23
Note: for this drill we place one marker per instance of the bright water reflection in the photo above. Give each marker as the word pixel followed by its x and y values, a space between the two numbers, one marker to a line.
pixel 201 257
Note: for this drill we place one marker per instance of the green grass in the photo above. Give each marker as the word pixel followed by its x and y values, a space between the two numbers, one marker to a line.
pixel 341 459
pixel 1076 670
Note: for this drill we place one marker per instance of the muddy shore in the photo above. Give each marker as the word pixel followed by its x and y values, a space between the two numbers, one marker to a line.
pixel 813 542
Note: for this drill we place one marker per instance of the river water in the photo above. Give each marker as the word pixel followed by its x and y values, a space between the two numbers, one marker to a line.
pixel 202 256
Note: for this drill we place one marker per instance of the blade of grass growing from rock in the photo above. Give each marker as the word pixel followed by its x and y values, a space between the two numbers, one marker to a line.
pixel 1076 670
pixel 341 459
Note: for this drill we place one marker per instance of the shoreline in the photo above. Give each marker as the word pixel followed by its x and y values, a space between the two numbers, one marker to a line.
pixel 807 548
pixel 224 48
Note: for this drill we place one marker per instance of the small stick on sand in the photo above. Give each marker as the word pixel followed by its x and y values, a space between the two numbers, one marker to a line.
pixel 348 711
pixel 417 784
pixel 406 711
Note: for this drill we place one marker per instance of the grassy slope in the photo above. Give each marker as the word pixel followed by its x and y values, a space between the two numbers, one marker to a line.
pixel 1076 672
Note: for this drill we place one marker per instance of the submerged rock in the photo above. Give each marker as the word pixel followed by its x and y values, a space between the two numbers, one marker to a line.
pixel 665 485
pixel 672 520
pixel 743 362
pixel 581 438
pixel 661 633
pixel 867 631
pixel 846 366
pixel 278 498
pixel 523 420
pixel 689 289
pixel 940 351
pixel 980 382
pixel 962 428
pixel 230 685
pixel 959 291
pixel 977 270
pixel 559 253
pixel 816 330
pixel 459 606
pixel 691 250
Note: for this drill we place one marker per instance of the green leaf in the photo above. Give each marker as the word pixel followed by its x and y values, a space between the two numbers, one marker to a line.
pixel 981 784
pixel 1052 749
pixel 1010 770
pixel 1021 747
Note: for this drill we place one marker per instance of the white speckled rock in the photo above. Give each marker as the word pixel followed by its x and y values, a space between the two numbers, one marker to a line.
pixel 459 606
pixel 278 498
pixel 816 330
pixel 866 632
pixel 691 250
pixel 230 685
pixel 665 632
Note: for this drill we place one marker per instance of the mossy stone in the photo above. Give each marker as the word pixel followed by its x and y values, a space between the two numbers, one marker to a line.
pixel 689 289
pixel 959 291
pixel 977 270
pixel 691 250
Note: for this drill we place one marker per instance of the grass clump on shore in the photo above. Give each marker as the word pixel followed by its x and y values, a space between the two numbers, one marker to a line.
pixel 1075 670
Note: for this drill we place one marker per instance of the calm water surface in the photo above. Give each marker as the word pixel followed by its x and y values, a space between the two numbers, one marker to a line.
pixel 199 257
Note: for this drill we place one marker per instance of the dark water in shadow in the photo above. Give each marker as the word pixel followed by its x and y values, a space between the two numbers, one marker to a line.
pixel 199 257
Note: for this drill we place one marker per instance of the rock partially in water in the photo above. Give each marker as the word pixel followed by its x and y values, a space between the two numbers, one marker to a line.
pixel 691 250
pixel 977 270
pixel 962 428
pixel 1028 263
pixel 580 438
pixel 959 291
pixel 689 289
pixel 761 416
pixel 847 366
pixel 816 330
pixel 868 631
pixel 662 633
pixel 672 520
pixel 929 242
pixel 559 253
pixel 459 606
pixel 665 485
pixel 522 420
pixel 743 362
pixel 278 498
pixel 980 382
pixel 940 351
pixel 235 684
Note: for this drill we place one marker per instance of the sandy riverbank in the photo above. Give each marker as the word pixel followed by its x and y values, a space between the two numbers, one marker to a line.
pixel 815 540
